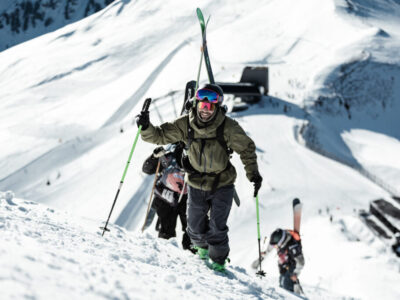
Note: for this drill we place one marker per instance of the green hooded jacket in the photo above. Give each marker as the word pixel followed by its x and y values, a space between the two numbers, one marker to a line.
pixel 213 158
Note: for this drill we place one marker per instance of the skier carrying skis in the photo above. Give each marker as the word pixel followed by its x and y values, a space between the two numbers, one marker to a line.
pixel 170 194
pixel 208 135
pixel 290 258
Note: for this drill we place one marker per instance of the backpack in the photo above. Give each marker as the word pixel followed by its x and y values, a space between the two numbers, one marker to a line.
pixel 171 181
pixel 295 235
pixel 295 247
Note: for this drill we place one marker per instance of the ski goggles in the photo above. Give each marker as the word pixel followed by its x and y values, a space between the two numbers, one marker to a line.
pixel 202 105
pixel 207 95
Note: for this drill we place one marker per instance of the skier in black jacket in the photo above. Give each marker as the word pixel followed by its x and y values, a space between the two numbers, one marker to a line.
pixel 290 258
pixel 170 193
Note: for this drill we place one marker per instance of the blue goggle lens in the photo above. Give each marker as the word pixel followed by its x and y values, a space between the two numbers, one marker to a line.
pixel 207 95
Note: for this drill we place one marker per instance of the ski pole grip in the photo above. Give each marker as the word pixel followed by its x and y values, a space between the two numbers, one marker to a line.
pixel 146 105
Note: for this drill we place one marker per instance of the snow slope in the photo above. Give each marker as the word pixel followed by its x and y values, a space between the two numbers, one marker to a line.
pixel 361 89
pixel 66 123
pixel 79 263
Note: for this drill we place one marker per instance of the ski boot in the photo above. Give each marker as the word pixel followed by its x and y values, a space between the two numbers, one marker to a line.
pixel 201 252
pixel 219 267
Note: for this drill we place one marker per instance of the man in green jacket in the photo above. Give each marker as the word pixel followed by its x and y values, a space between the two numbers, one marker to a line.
pixel 209 136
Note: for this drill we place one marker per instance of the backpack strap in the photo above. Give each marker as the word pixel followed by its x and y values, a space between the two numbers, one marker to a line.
pixel 221 139
pixel 190 134
pixel 218 177
pixel 295 235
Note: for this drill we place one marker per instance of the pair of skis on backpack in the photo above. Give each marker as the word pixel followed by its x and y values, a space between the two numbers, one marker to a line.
pixel 297 206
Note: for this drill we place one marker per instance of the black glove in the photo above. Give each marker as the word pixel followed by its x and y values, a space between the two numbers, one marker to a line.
pixel 143 119
pixel 257 180
pixel 158 152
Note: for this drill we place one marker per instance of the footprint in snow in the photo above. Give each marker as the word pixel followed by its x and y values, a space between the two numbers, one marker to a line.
pixel 28 257
pixel 10 202
pixel 170 278
pixel 23 209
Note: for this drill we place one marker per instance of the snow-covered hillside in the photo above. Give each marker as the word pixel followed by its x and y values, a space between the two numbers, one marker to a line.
pixel 80 264
pixel 22 20
pixel 355 102
pixel 66 128
pixel 49 254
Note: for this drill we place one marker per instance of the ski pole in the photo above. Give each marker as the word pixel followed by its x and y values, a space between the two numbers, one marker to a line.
pixel 145 108
pixel 182 191
pixel 151 195
pixel 300 287
pixel 260 272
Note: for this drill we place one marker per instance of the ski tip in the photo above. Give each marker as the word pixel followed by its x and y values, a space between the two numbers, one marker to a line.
pixel 200 17
pixel 296 201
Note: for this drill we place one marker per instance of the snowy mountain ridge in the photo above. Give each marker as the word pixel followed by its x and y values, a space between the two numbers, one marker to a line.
pixel 360 93
pixel 22 20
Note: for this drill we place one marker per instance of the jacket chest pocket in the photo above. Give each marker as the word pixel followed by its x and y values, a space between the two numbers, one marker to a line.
pixel 209 156
pixel 219 156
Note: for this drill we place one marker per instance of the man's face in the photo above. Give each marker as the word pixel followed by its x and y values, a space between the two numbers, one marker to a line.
pixel 206 110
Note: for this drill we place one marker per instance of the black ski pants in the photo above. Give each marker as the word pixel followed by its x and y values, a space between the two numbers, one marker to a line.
pixel 168 216
pixel 285 281
pixel 210 231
